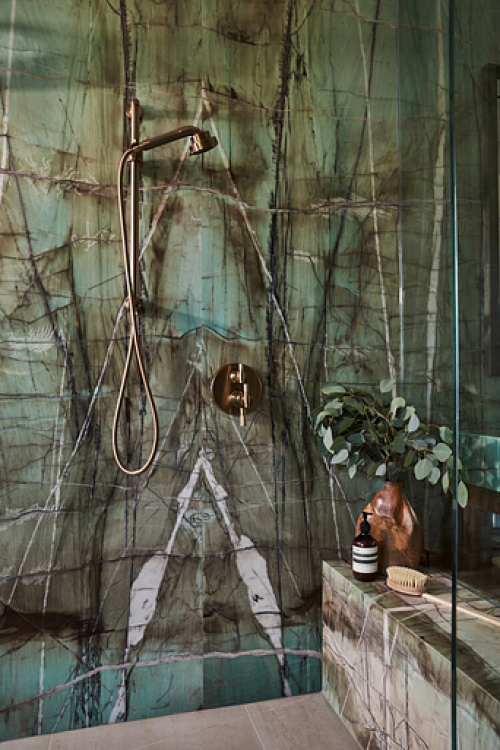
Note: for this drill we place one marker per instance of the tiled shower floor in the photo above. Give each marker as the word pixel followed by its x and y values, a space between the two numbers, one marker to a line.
pixel 303 723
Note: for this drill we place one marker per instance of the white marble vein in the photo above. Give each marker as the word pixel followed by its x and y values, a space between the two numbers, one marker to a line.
pixel 251 566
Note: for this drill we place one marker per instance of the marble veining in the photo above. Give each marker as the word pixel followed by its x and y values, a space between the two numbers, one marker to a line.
pixel 197 584
pixel 303 245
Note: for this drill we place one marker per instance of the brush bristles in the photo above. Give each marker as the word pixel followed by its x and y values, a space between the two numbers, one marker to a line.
pixel 413 579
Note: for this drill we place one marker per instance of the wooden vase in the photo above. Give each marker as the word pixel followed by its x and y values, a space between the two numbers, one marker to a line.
pixel 396 528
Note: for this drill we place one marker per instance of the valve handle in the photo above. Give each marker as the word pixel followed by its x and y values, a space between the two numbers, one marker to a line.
pixel 245 403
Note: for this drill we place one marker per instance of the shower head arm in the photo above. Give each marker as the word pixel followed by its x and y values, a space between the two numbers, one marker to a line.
pixel 161 140
pixel 129 154
pixel 201 141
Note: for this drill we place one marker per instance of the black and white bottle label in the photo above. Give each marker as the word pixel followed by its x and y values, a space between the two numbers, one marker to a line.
pixel 364 559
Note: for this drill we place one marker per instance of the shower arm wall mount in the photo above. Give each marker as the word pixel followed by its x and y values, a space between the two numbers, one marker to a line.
pixel 201 141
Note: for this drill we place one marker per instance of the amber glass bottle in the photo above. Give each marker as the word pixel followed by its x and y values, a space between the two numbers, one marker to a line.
pixel 364 553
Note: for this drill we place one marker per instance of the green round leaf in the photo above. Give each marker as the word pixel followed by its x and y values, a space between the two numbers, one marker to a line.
pixel 409 458
pixel 386 385
pixel 414 423
pixel 333 407
pixel 446 482
pixel 338 458
pixel 352 471
pixel 446 434
pixel 423 468
pixel 442 452
pixel 398 444
pixel 320 417
pixel 408 412
pixel 463 494
pixel 332 389
pixel 381 471
pixel 328 438
pixel 434 475
pixel 450 461
pixel 420 444
pixel 356 438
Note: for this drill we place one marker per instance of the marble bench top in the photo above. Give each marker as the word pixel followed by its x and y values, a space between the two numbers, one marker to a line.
pixel 478 646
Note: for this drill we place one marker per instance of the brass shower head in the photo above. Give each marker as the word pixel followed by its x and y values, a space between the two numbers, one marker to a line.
pixel 201 142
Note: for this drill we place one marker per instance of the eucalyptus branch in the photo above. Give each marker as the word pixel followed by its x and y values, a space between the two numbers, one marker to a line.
pixel 383 438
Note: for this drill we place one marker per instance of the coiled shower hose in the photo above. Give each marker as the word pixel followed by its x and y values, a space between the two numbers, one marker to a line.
pixel 133 343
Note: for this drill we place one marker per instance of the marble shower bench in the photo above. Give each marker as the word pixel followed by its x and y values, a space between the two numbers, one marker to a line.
pixel 387 664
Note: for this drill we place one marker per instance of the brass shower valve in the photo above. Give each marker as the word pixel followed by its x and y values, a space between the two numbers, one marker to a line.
pixel 240 398
pixel 236 388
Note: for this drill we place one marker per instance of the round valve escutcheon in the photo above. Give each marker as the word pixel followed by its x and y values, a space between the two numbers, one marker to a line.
pixel 236 389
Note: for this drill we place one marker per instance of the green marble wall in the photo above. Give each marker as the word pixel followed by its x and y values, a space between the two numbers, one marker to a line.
pixel 198 583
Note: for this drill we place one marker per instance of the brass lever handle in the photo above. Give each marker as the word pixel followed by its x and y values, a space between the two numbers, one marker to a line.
pixel 246 404
pixel 241 400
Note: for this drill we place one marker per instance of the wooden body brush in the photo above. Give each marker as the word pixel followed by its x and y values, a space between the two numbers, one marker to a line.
pixel 406 580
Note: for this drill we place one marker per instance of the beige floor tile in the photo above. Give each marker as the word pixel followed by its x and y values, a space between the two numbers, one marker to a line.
pixel 308 723
pixel 30 743
pixel 279 703
pixel 299 723
pixel 150 733
pixel 179 724
pixel 237 734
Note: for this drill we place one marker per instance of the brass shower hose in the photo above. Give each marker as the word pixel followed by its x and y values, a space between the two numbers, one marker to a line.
pixel 133 343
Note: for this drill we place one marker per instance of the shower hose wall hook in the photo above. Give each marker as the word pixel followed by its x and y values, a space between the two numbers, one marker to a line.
pixel 201 141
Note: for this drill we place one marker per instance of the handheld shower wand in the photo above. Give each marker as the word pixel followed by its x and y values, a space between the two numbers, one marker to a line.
pixel 201 141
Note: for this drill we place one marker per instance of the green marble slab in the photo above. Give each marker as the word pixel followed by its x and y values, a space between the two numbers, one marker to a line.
pixel 387 663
